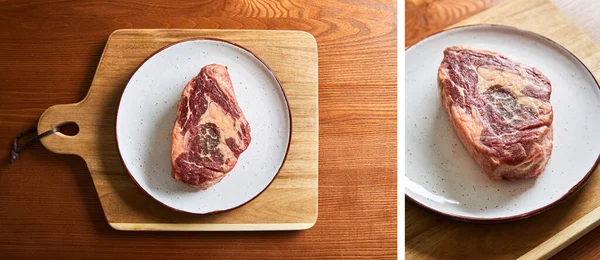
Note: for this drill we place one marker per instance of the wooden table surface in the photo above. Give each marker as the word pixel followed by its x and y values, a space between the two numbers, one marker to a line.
pixel 49 52
pixel 425 17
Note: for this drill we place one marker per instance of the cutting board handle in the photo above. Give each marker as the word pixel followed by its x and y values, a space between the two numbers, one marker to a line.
pixel 59 115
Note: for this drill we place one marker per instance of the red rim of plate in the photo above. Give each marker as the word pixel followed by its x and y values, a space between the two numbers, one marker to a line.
pixel 532 213
pixel 272 74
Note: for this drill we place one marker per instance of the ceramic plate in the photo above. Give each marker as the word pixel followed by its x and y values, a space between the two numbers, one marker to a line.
pixel 442 176
pixel 147 111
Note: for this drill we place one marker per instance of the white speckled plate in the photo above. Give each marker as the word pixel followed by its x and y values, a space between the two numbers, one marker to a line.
pixel 147 111
pixel 442 176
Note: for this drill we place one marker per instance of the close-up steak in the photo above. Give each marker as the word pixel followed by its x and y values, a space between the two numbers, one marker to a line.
pixel 500 109
pixel 210 130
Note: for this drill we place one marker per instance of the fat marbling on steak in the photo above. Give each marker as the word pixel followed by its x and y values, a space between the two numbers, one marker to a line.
pixel 500 110
pixel 210 130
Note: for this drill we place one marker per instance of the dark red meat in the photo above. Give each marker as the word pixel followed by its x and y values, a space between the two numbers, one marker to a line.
pixel 210 131
pixel 500 110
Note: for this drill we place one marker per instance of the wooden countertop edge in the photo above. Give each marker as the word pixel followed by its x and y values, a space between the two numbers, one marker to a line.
pixel 210 227
pixel 565 237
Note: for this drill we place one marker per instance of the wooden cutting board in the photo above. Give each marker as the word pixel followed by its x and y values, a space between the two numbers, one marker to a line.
pixel 429 236
pixel 290 202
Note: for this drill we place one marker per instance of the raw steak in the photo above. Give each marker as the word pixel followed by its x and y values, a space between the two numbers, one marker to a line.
pixel 500 110
pixel 210 131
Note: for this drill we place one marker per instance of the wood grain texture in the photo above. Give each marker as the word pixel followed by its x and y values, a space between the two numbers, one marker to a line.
pixel 426 17
pixel 290 202
pixel 49 54
pixel 429 236
pixel 584 13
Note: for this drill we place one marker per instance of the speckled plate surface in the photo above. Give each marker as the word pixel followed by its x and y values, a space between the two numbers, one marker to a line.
pixel 440 174
pixel 147 111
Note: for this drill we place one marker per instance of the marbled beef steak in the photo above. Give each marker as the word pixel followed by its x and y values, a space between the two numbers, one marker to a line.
pixel 500 110
pixel 210 130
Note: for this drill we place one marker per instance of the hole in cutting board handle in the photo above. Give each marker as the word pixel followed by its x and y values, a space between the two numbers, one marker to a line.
pixel 70 129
